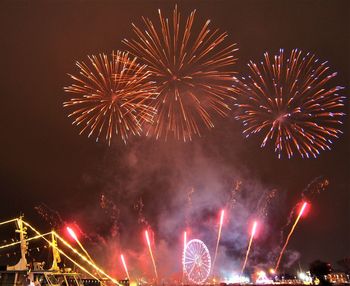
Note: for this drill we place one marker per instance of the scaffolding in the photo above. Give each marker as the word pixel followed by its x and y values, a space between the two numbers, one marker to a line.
pixel 51 239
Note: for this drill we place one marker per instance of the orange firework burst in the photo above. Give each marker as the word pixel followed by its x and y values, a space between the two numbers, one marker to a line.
pixel 114 96
pixel 290 101
pixel 192 70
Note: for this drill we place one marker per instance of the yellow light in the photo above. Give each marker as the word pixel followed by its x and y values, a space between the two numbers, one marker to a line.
pixel 8 221
pixel 261 273
pixel 28 239
pixel 86 259
pixel 63 253
pixel 76 252
pixel 72 234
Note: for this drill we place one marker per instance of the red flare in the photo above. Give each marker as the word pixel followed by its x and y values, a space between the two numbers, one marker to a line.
pixel 72 233
pixel 151 253
pixel 253 232
pixel 302 210
pixel 255 225
pixel 147 238
pixel 222 217
pixel 124 264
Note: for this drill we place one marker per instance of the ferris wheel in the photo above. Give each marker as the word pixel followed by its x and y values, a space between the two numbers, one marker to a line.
pixel 196 261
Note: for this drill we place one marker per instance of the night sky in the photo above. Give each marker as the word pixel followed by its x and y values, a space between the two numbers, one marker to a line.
pixel 45 161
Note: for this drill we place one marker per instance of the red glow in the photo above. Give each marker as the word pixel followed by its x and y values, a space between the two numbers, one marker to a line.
pixel 301 212
pixel 222 217
pixel 253 231
pixel 124 265
pixel 72 233
pixel 151 253
pixel 185 239
pixel 304 209
pixel 147 238
pixel 255 225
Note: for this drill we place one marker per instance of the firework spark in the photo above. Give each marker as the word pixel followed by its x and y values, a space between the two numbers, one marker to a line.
pixel 192 72
pixel 151 254
pixel 124 265
pixel 315 187
pixel 222 215
pixel 291 102
pixel 255 225
pixel 114 96
pixel 290 234
pixel 51 216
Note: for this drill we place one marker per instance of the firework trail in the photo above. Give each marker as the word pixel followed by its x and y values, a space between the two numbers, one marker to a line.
pixel 222 215
pixel 249 246
pixel 236 188
pixel 189 205
pixel 151 254
pixel 100 271
pixel 192 70
pixel 113 213
pixel 185 239
pixel 290 234
pixel 265 202
pixel 316 186
pixel 138 206
pixel 113 96
pixel 291 102
pixel 124 265
pixel 74 236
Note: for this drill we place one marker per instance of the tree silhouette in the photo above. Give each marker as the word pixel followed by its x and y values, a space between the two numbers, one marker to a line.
pixel 344 264
pixel 319 269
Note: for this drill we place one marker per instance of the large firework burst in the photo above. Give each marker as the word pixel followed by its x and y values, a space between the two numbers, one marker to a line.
pixel 114 96
pixel 192 70
pixel 291 102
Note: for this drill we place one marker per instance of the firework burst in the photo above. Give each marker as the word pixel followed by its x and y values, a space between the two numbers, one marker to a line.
pixel 113 96
pixel 291 102
pixel 191 70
